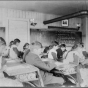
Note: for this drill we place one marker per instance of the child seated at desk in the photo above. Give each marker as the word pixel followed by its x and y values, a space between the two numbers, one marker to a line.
pixel 14 52
pixel 33 58
pixel 5 82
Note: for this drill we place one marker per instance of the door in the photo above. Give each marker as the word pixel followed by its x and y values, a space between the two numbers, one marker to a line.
pixel 19 29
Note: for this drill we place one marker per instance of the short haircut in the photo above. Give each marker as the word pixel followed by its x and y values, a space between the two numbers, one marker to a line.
pixel 36 45
pixel 62 45
pixel 76 45
pixel 24 47
pixel 11 43
pixel 46 49
pixel 2 41
pixel 82 44
pixel 55 43
pixel 16 41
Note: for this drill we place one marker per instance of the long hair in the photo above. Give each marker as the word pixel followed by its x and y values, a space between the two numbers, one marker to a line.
pixel 16 41
pixel 35 45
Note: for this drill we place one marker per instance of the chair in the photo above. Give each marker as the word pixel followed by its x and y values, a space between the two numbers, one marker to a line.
pixel 75 76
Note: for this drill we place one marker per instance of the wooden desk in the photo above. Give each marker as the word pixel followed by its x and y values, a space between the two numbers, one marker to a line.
pixel 18 69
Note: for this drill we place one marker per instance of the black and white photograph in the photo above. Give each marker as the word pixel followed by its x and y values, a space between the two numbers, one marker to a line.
pixel 44 43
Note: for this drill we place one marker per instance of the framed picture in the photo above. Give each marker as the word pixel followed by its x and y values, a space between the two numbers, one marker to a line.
pixel 65 22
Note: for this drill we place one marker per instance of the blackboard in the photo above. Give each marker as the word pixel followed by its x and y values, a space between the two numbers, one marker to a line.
pixel 45 37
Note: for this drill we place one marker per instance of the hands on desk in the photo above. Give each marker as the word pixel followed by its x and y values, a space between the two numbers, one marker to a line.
pixel 65 66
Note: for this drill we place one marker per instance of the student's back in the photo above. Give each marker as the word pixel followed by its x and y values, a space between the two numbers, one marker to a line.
pixel 12 54
pixel 6 82
pixel 47 77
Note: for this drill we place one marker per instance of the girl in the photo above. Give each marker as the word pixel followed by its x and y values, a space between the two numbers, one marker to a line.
pixel 14 52
pixel 25 47
pixel 5 82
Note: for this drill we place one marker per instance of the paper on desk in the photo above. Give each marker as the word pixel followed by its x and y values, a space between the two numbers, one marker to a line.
pixel 67 69
pixel 58 63
pixel 45 60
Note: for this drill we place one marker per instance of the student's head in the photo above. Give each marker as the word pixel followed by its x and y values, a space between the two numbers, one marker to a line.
pixel 36 47
pixel 82 44
pixel 16 42
pixel 77 46
pixel 54 45
pixel 26 46
pixel 11 43
pixel 46 49
pixel 2 47
pixel 63 47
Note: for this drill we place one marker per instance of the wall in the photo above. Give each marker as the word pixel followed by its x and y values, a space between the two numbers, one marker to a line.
pixel 45 37
pixel 72 23
pixel 12 13
pixel 39 18
pixel 85 31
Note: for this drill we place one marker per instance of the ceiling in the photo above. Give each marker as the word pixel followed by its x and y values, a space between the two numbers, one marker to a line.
pixel 50 7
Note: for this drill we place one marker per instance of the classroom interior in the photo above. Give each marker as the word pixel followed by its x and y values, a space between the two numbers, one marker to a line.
pixel 45 21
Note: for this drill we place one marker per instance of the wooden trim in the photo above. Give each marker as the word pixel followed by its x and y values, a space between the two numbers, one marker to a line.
pixel 63 28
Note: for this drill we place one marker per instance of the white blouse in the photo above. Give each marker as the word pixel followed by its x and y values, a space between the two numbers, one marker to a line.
pixel 50 55
pixel 12 53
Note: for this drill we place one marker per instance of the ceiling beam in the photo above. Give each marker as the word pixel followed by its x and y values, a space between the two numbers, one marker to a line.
pixel 76 14
pixel 63 28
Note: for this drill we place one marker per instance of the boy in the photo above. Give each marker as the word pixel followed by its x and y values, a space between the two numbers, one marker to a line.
pixel 33 58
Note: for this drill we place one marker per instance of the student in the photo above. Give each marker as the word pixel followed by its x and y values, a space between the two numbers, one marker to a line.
pixel 45 52
pixel 74 55
pixel 8 49
pixel 11 43
pixel 52 54
pixel 14 53
pixel 26 47
pixel 26 50
pixel 60 51
pixel 46 49
pixel 6 82
pixel 33 58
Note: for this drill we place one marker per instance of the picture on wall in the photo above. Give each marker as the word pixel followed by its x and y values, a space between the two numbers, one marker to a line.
pixel 65 22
